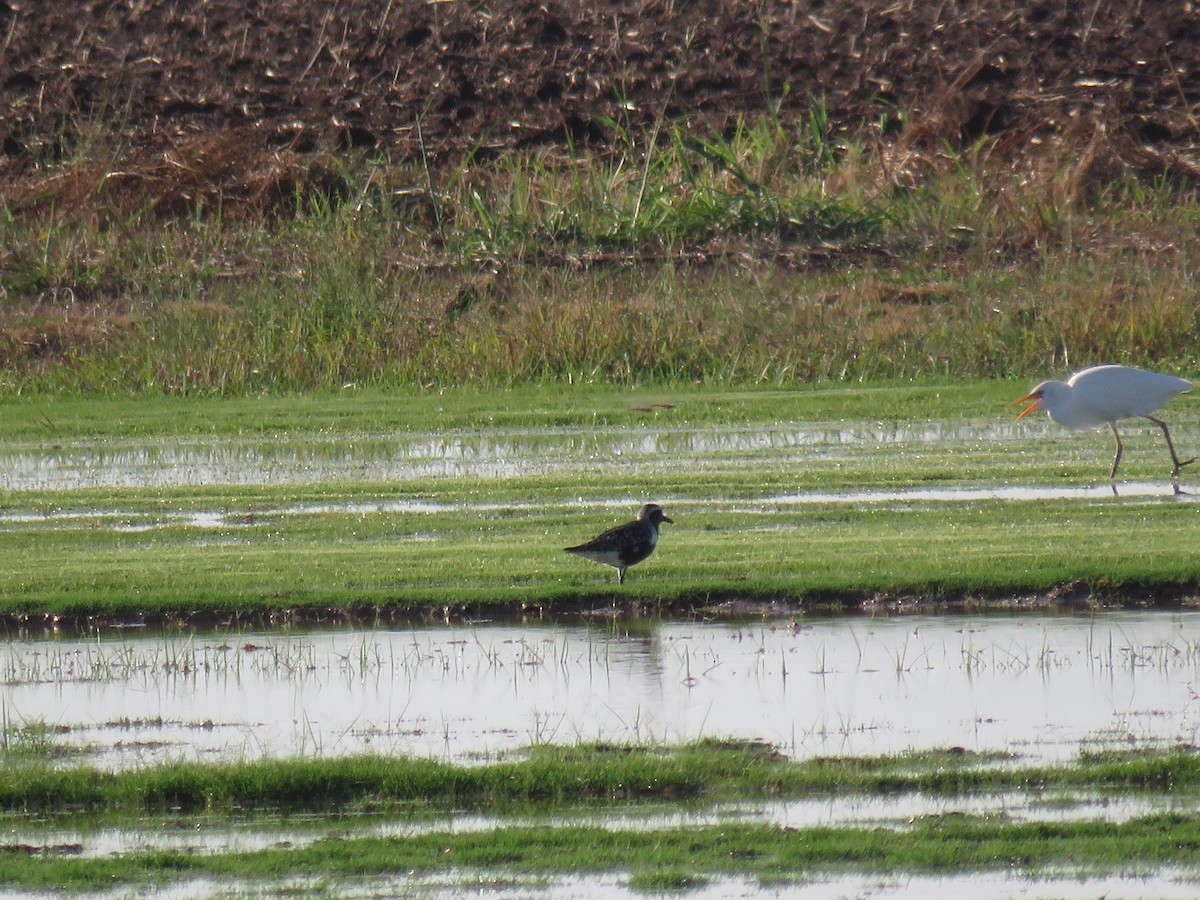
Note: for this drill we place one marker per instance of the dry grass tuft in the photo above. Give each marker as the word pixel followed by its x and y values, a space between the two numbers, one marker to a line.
pixel 234 171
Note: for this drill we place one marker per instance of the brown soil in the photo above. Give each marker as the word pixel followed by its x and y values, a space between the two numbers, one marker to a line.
pixel 417 79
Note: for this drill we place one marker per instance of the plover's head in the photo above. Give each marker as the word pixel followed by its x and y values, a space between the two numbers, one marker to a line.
pixel 653 514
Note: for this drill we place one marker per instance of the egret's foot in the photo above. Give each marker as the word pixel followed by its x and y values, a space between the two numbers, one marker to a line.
pixel 1180 492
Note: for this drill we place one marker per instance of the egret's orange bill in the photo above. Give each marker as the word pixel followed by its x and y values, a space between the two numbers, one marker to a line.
pixel 1036 397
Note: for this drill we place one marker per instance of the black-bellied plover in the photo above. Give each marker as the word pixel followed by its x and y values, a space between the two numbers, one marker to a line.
pixel 625 545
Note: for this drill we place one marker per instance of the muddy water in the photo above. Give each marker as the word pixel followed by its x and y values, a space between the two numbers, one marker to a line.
pixel 1039 687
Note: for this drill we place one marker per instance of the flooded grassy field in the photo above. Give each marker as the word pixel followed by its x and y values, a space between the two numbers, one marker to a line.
pixel 1036 687
pixel 921 586
pixel 818 497
pixel 1016 690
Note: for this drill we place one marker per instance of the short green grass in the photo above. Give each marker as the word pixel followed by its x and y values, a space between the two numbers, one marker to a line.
pixel 709 770
pixel 46 421
pixel 401 561
pixel 465 540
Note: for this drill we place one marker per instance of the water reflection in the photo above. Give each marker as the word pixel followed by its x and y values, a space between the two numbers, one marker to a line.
pixel 135 521
pixel 494 454
pixel 960 493
pixel 1170 884
pixel 1040 687
pixel 194 834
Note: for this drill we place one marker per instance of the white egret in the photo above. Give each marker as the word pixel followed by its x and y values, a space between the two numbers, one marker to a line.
pixel 1103 395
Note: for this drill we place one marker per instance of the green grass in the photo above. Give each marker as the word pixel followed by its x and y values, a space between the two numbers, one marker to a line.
pixel 587 774
pixel 756 851
pixel 46 421
pixel 406 561
pixel 564 781
pixel 473 540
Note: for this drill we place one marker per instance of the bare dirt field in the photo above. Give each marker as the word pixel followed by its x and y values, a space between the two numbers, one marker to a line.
pixel 178 80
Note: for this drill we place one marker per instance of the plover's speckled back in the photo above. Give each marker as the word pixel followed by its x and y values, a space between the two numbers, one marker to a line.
pixel 625 545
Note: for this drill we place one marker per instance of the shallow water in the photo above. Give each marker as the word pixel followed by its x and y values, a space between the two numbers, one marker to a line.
pixel 1163 885
pixel 494 454
pixel 129 520
pixel 558 452
pixel 1036 686
pixel 978 886
pixel 195 835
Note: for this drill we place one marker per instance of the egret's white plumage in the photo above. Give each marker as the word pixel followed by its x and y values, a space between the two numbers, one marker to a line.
pixel 1102 395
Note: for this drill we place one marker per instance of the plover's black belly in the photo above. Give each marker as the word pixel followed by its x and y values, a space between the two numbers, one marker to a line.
pixel 635 551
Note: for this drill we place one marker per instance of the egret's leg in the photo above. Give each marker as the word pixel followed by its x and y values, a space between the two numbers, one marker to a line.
pixel 620 575
pixel 1120 449
pixel 1170 446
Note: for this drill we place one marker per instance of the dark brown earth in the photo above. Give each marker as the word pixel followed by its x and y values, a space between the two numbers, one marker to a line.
pixel 414 79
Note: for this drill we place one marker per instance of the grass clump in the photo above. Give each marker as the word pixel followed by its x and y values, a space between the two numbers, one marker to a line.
pixel 662 881
pixel 33 741
pixel 550 776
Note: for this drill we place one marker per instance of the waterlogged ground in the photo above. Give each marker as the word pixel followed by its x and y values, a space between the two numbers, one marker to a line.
pixel 1169 885
pixel 1039 687
pixel 192 834
pixel 510 453
pixel 984 452
pixel 1034 686
pixel 498 453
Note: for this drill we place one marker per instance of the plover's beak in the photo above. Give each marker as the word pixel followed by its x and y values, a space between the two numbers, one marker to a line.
pixel 665 519
pixel 1036 397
